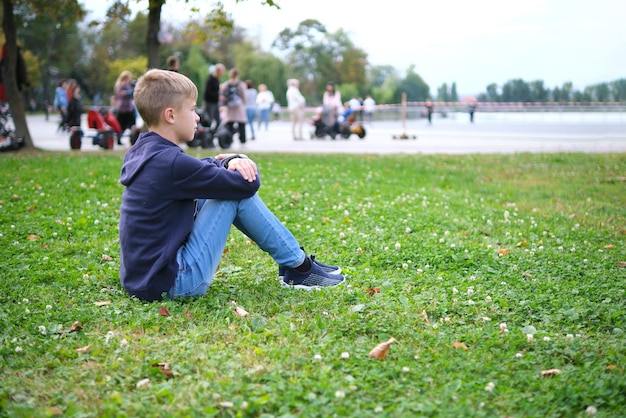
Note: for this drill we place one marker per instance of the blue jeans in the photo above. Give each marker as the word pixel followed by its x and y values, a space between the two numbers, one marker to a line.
pixel 199 257
pixel 264 118
pixel 251 114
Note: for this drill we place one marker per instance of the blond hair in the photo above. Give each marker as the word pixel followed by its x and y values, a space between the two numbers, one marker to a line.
pixel 157 90
pixel 123 78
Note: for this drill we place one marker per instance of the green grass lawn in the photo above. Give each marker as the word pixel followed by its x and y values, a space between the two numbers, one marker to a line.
pixel 488 270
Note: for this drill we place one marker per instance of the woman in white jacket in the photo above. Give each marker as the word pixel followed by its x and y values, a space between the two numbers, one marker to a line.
pixel 295 105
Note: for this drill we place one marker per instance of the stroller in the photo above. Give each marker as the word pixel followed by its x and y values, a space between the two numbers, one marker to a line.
pixel 206 133
pixel 8 140
pixel 107 128
pixel 345 128
pixel 322 127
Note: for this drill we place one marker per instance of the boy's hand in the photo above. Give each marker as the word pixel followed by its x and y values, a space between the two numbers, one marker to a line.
pixel 246 167
pixel 241 163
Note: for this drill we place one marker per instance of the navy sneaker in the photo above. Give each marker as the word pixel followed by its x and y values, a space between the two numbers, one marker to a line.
pixel 315 278
pixel 326 267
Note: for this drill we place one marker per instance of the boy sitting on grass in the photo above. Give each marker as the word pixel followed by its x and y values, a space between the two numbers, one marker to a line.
pixel 177 210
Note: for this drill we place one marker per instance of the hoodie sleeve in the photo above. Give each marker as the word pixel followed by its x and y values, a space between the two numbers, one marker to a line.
pixel 208 179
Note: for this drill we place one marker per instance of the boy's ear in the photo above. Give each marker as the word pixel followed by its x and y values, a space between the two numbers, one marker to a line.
pixel 168 115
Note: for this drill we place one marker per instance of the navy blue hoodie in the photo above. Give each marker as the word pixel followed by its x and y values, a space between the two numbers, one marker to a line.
pixel 157 210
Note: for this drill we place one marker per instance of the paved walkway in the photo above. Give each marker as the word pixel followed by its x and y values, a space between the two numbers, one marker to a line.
pixel 445 136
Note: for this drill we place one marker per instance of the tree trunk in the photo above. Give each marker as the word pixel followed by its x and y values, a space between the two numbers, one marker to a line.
pixel 9 75
pixel 154 26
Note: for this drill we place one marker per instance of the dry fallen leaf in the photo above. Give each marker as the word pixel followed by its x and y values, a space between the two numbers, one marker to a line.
pixel 525 274
pixel 33 237
pixel 380 351
pixel 613 367
pixel 609 246
pixel 106 257
pixel 53 410
pixel 240 311
pixel 503 251
pixel 372 290
pixel 31 208
pixel 188 314
pixel 425 316
pixel 83 349
pixel 165 369
pixel 76 326
pixel 164 312
pixel 621 264
pixel 550 372
pixel 457 345
pixel 522 243
pixel 102 303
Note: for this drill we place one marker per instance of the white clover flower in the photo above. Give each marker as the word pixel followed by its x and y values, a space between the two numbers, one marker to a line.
pixel 502 325
pixel 488 299
pixel 405 266
pixel 317 357
pixel 591 410
pixel 441 240
pixel 486 319
pixel 110 335
pixel 470 302
pixel 397 246
pixel 406 369
pixel 143 383
pixel 446 319
pixel 48 307
pixel 379 409
pixel 570 336
pixel 96 222
pixel 42 330
pixel 546 339
pixel 27 310
pixel 345 354
pixel 529 338
pixel 452 245
pixel 340 394
pixel 519 355
pixel 18 349
pixel 470 291
pixel 25 300
pixel 490 387
pixel 342 235
pixel 124 343
pixel 407 230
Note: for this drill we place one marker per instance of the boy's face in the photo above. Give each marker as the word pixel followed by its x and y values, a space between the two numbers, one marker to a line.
pixel 186 121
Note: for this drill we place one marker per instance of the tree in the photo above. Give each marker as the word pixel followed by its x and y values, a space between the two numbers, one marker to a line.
pixel 454 96
pixel 69 9
pixel 442 93
pixel 414 86
pixel 492 93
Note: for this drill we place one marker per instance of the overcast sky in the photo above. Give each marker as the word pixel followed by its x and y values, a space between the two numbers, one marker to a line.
pixel 473 43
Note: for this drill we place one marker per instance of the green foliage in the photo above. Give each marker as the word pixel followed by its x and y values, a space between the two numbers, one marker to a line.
pixel 262 68
pixel 424 230
pixel 414 87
